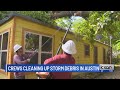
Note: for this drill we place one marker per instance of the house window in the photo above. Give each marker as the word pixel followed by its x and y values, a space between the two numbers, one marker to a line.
pixel 5 41
pixel 3 49
pixel 31 44
pixel 42 43
pixel 87 50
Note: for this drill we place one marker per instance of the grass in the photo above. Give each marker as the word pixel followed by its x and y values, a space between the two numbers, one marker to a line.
pixel 87 75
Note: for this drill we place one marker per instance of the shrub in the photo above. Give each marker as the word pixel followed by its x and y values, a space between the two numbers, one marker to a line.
pixel 115 60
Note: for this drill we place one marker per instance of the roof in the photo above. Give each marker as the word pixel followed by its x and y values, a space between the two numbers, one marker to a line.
pixel 13 14
pixel 101 42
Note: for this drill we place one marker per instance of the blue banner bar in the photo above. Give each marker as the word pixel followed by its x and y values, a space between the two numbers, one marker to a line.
pixel 57 68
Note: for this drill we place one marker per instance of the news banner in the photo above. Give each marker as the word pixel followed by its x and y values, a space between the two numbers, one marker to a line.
pixel 60 68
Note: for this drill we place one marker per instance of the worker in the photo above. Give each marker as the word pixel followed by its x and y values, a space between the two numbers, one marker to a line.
pixel 66 57
pixel 20 58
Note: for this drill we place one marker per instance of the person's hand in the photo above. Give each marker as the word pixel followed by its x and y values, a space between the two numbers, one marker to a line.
pixel 37 73
pixel 28 60
pixel 36 50
pixel 43 74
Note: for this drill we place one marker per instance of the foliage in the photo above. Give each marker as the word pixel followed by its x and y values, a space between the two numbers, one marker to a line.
pixel 43 16
pixel 93 26
pixel 99 24
pixel 32 41
pixel 63 22
pixel 3 14
pixel 115 60
pixel 116 47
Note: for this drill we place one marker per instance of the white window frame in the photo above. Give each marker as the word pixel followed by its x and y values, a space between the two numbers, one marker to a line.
pixel 40 45
pixel 1 47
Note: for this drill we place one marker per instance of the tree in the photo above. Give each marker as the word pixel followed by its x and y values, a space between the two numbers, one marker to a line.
pixel 3 14
pixel 99 24
pixel 43 16
pixel 94 24
pixel 60 14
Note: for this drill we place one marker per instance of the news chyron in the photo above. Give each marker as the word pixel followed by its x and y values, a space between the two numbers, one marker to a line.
pixel 106 67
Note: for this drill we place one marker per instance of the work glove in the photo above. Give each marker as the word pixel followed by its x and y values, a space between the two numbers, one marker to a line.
pixel 36 50
pixel 28 60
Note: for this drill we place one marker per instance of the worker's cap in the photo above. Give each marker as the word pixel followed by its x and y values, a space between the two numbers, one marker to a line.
pixel 69 47
pixel 17 47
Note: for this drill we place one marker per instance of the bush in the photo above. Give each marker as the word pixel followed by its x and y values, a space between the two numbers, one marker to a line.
pixel 115 60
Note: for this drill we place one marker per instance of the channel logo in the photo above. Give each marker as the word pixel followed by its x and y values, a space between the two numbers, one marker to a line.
pixel 106 66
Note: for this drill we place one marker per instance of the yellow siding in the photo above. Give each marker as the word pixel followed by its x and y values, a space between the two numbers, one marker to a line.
pixel 100 51
pixel 21 24
pixel 8 26
pixel 80 57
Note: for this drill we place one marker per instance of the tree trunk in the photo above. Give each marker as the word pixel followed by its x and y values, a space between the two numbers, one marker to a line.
pixel 60 14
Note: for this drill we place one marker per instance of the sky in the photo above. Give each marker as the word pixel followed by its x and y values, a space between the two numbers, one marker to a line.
pixel 73 18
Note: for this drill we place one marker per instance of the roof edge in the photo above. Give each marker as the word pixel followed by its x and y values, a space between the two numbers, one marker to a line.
pixel 13 14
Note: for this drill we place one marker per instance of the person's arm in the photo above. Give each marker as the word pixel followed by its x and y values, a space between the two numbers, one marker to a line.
pixel 18 61
pixel 44 75
pixel 30 55
pixel 52 60
pixel 26 56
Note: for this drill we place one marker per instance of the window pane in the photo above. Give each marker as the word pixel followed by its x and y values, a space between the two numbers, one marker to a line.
pixel 3 60
pixel 32 42
pixel 34 59
pixel 87 50
pixel 46 44
pixel 45 56
pixel 5 41
pixel 0 41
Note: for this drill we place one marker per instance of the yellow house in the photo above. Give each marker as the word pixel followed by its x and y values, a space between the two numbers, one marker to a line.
pixel 33 34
